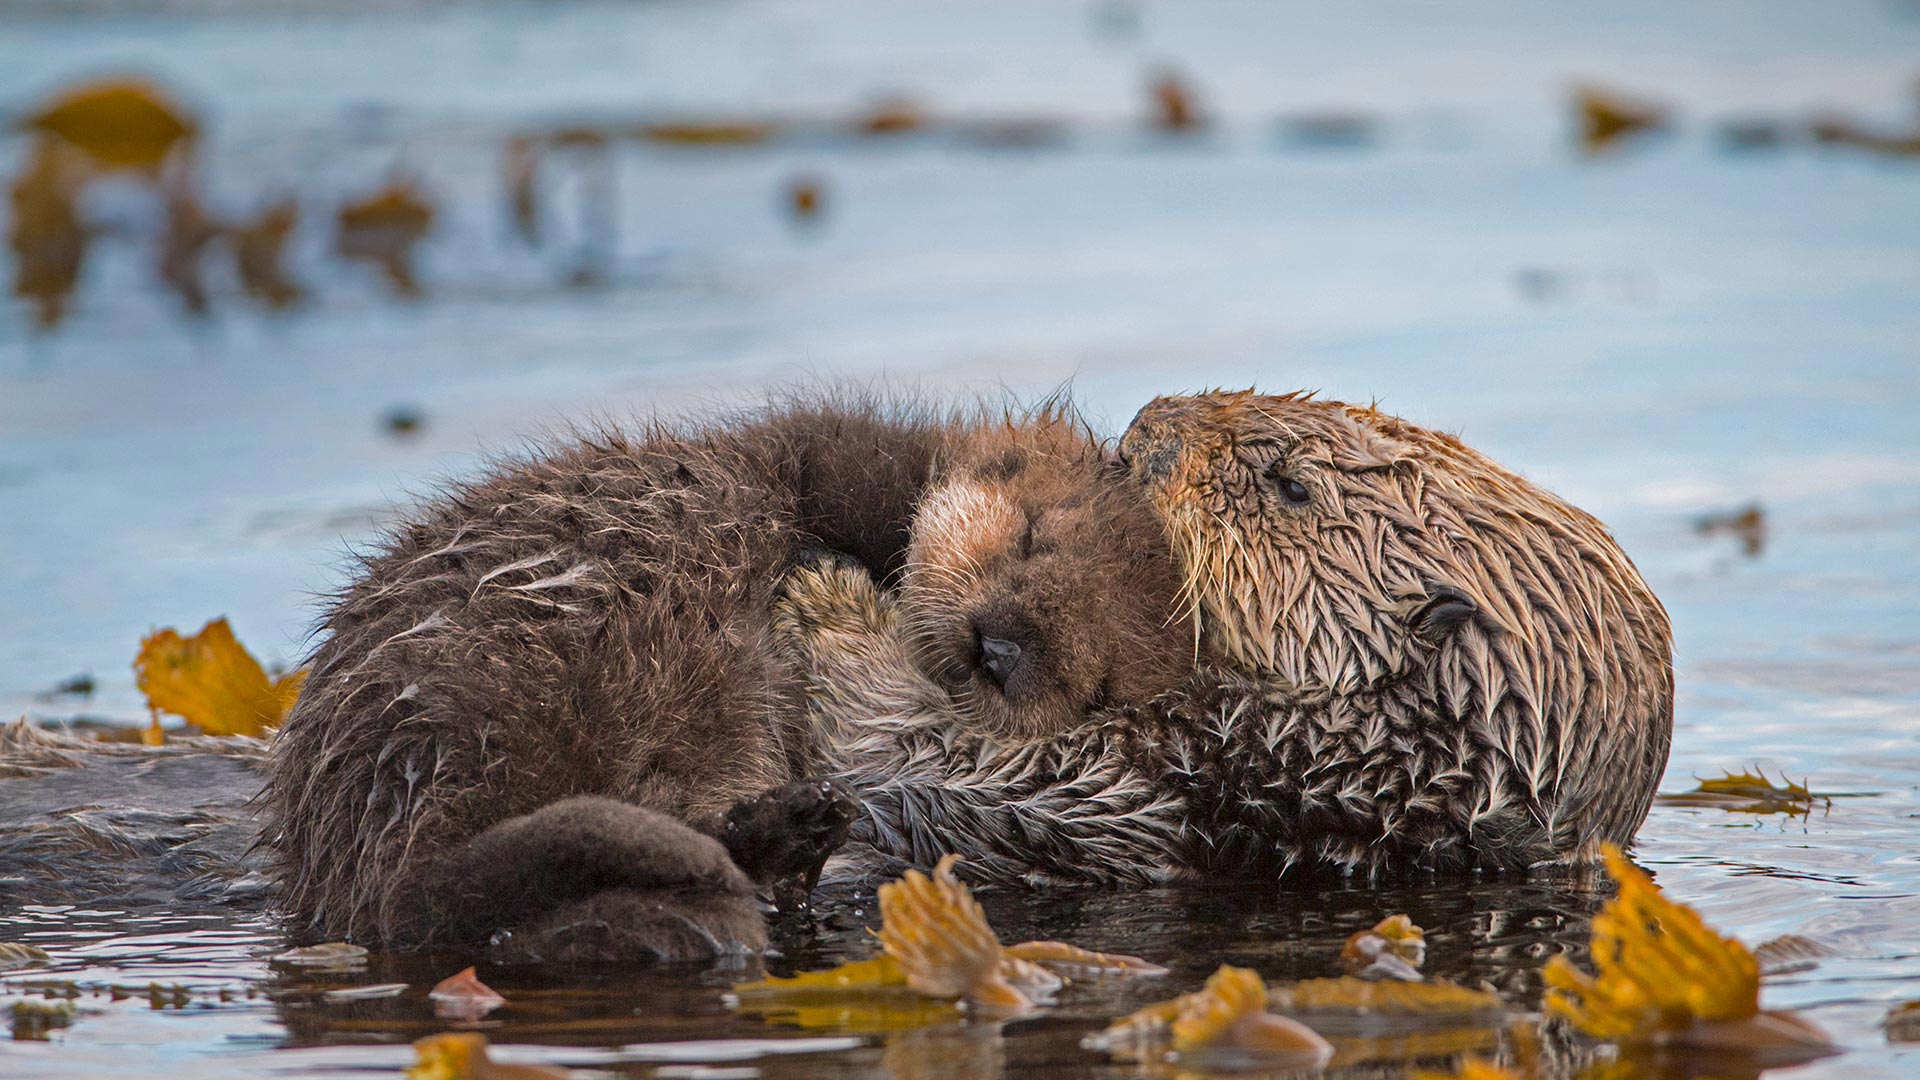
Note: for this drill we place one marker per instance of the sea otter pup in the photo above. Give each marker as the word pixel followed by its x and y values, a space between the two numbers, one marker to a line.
pixel 1411 659
pixel 553 703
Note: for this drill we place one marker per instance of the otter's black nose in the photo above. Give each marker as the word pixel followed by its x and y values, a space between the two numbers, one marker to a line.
pixel 998 658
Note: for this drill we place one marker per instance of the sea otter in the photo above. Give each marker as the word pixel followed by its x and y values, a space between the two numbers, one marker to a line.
pixel 552 710
pixel 1410 658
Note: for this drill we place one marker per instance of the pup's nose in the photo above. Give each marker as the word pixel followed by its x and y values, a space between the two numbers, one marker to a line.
pixel 998 658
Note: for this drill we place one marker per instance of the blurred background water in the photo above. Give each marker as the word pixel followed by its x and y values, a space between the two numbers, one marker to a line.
pixel 1387 201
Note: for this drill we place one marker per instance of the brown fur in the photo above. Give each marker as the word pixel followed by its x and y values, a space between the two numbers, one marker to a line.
pixel 1425 663
pixel 1482 655
pixel 538 701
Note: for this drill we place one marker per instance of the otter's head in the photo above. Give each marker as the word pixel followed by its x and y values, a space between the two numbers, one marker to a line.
pixel 1039 585
pixel 1340 549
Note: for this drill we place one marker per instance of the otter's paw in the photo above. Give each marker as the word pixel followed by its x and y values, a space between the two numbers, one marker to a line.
pixel 830 597
pixel 782 837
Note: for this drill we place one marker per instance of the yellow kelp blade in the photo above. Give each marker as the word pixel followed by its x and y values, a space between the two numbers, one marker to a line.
pixel 1348 995
pixel 212 681
pixel 1663 977
pixel 1226 1022
pixel 463 1056
pixel 119 123
pixel 1060 955
pixel 882 974
pixel 939 935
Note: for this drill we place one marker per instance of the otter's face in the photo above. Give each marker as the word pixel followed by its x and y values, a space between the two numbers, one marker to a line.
pixel 1306 534
pixel 1040 587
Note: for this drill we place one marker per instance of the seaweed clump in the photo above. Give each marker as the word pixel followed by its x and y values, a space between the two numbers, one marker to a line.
pixel 1664 979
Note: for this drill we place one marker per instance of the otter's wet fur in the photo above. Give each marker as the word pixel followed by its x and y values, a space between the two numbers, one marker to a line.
pixel 1411 659
pixel 548 693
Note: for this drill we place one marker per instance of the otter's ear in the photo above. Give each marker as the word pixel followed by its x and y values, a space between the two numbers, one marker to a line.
pixel 1445 610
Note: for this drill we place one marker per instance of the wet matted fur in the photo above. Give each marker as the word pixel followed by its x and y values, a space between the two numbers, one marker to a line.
pixel 1411 659
pixel 537 702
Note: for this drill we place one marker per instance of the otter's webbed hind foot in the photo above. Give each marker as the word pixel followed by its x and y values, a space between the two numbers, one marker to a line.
pixel 596 879
pixel 782 837
pixel 627 925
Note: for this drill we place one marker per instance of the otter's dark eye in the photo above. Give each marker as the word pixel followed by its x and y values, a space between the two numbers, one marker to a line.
pixel 1293 490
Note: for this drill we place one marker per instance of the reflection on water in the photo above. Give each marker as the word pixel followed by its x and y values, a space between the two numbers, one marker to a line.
pixel 1708 335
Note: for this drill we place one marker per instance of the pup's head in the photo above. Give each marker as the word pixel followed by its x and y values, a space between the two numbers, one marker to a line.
pixel 1039 584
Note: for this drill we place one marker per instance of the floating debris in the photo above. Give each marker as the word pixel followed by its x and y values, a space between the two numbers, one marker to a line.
pixel 189 231
pixel 1605 119
pixel 708 132
pixel 119 124
pixel 384 228
pixel 463 1056
pixel 371 992
pixel 1749 793
pixel 1174 109
pixel 260 251
pixel 1902 1022
pixel 937 944
pixel 1749 136
pixel 520 172
pixel 15 955
pixel 403 421
pixel 1393 949
pixel 1225 1025
pixel 77 686
pixel 34 1019
pixel 891 116
pixel 211 681
pixel 464 997
pixel 45 233
pixel 1330 131
pixel 804 198
pixel 332 954
pixel 1664 979
pixel 1840 131
pixel 1747 524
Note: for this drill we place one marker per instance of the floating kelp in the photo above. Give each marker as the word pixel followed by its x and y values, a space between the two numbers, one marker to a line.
pixel 1664 979
pixel 117 123
pixel 1225 1024
pixel 44 231
pixel 1364 999
pixel 383 229
pixel 1393 949
pixel 1748 793
pixel 1605 118
pixel 937 945
pixel 463 1056
pixel 34 1019
pixel 15 955
pixel 1902 1022
pixel 1175 111
pixel 211 681
pixel 1748 525
pixel 259 254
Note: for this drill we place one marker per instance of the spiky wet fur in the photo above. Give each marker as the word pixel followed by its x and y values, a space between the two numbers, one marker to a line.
pixel 1430 664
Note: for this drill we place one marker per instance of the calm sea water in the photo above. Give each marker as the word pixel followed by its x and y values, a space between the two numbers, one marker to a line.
pixel 1672 331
